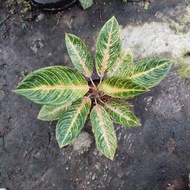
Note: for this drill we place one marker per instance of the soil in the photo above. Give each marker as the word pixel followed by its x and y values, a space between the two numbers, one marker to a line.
pixel 155 156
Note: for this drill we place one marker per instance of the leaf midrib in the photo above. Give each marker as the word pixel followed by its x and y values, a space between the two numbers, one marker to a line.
pixel 106 57
pixel 102 124
pixel 75 117
pixel 43 87
pixel 81 60
pixel 118 90
pixel 145 72
pixel 118 64
pixel 117 111
pixel 58 109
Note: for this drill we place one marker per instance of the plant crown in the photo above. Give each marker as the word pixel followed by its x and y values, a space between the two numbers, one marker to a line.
pixel 67 97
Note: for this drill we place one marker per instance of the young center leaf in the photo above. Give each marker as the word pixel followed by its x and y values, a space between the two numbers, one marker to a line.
pixel 52 112
pixel 104 132
pixel 149 72
pixel 79 54
pixel 108 46
pixel 124 60
pixel 53 85
pixel 120 113
pixel 70 125
pixel 120 87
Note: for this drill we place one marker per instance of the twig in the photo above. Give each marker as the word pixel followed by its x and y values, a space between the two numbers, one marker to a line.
pixel 93 83
pixel 1 22
pixel 58 21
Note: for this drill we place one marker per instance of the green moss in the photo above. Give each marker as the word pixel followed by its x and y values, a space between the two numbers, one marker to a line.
pixel 182 25
pixel 183 65
pixel 184 71
pixel 186 18
pixel 20 9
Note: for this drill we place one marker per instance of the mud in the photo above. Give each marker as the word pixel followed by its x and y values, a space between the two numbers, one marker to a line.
pixel 155 156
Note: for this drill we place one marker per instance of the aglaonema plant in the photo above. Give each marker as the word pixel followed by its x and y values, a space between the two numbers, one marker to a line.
pixel 67 97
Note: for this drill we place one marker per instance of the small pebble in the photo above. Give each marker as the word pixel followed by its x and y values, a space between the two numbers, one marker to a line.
pixel 41 16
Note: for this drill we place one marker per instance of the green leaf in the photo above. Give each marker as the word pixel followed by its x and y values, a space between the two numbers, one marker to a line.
pixel 53 85
pixel 104 132
pixel 79 54
pixel 120 87
pixel 121 64
pixel 108 46
pixel 85 4
pixel 120 113
pixel 149 72
pixel 70 125
pixel 52 112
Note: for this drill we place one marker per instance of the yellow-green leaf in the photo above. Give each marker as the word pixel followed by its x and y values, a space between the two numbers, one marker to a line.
pixel 149 72
pixel 53 85
pixel 120 113
pixel 104 132
pixel 70 125
pixel 120 87
pixel 79 54
pixel 108 46
pixel 52 112
pixel 121 64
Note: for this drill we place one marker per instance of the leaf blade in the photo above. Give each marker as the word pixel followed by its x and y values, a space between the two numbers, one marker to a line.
pixel 53 85
pixel 108 46
pixel 149 72
pixel 121 64
pixel 120 87
pixel 85 4
pixel 104 132
pixel 70 125
pixel 120 113
pixel 52 112
pixel 79 54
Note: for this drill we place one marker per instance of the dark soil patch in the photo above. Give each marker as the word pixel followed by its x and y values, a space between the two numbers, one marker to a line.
pixel 155 156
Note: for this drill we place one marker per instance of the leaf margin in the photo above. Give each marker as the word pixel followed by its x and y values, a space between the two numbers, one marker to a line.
pixel 83 103
pixel 75 55
pixel 94 115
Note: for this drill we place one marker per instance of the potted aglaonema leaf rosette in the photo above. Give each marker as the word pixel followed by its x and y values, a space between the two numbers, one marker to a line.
pixel 66 95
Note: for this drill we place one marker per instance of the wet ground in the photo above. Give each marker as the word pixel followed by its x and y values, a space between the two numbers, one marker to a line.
pixel 155 156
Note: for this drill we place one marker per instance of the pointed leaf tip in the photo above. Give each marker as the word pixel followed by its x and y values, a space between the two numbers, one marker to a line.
pixel 120 113
pixel 148 72
pixel 79 55
pixel 108 46
pixel 53 85
pixel 104 132
pixel 85 4
pixel 121 87
pixel 52 112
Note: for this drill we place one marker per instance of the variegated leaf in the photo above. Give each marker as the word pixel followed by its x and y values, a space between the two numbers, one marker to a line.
pixel 85 4
pixel 79 54
pixel 52 112
pixel 120 87
pixel 120 113
pixel 121 64
pixel 108 46
pixel 149 72
pixel 104 132
pixel 53 85
pixel 70 125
